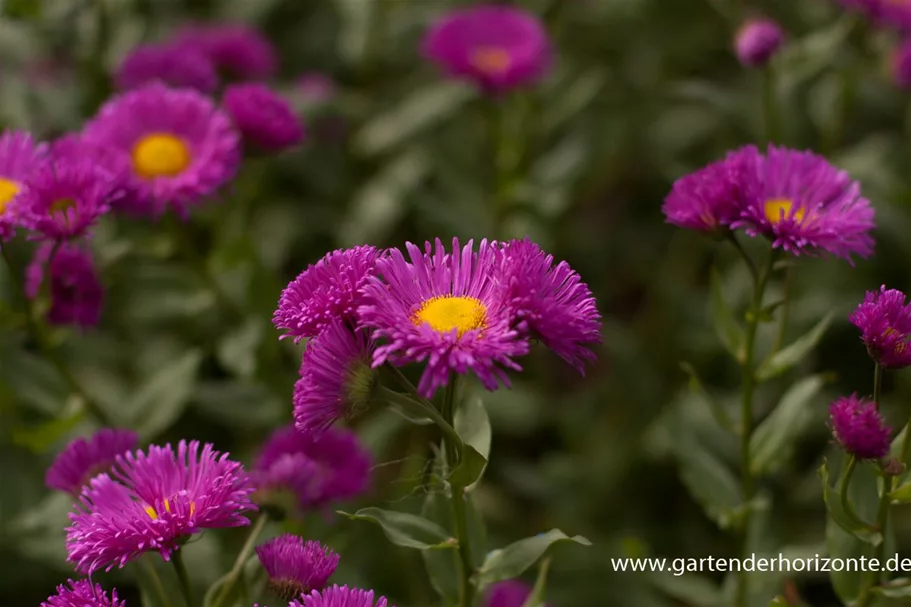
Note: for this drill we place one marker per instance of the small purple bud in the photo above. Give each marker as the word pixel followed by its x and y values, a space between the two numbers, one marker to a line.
pixel 859 427
pixel 757 41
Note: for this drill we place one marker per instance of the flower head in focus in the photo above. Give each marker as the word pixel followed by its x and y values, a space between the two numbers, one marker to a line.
pixel 325 292
pixel 238 52
pixel 20 156
pixel 884 320
pixel 296 567
pixel 552 301
pixel 757 41
pixel 76 292
pixel 710 199
pixel 337 380
pixel 803 204
pixel 495 46
pixel 445 309
pixel 306 470
pixel 859 427
pixel 180 146
pixel 84 458
pixel 263 117
pixel 175 65
pixel 82 593
pixel 153 500
pixel 340 596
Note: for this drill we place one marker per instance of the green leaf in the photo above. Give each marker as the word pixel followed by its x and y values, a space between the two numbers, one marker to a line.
pixel 726 326
pixel 778 601
pixel 537 596
pixel 718 411
pixel 469 470
pixel 899 588
pixel 473 426
pixel 845 517
pixel 902 494
pixel 420 111
pixel 404 529
pixel 38 439
pixel 238 348
pixel 442 565
pixel 804 59
pixel 689 589
pixel 774 439
pixel 789 356
pixel 710 483
pixel 161 399
pixel 512 561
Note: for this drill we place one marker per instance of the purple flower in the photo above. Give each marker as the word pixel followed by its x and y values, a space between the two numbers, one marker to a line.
pixel 296 567
pixel 174 65
pixel 552 301
pixel 263 117
pixel 496 47
pixel 508 593
pixel 180 146
pixel 900 64
pixel 82 594
pixel 803 204
pixel 446 310
pixel 310 469
pixel 20 155
pixel 859 427
pixel 337 380
pixel 238 51
pixel 757 40
pixel 884 320
pixel 316 87
pixel 326 291
pixel 154 501
pixel 710 199
pixel 340 596
pixel 113 167
pixel 77 294
pixel 65 196
pixel 84 458
pixel 890 13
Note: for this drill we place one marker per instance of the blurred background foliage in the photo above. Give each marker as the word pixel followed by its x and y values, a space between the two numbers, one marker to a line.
pixel 642 92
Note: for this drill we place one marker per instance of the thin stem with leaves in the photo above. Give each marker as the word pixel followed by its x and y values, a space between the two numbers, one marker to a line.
pixel 183 578
pixel 459 514
pixel 237 569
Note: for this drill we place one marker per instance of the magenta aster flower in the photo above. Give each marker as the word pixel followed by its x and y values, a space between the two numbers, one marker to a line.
pixel 757 41
pixel 497 47
pixel 154 501
pixel 296 567
pixel 326 291
pixel 445 310
pixel 337 379
pixel 307 470
pixel 710 199
pixel 77 294
pixel 340 596
pixel 859 427
pixel 114 169
pixel 263 117
pixel 889 13
pixel 803 204
pixel 238 51
pixel 508 593
pixel 180 146
pixel 552 301
pixel 20 156
pixel 884 320
pixel 175 65
pixel 82 594
pixel 84 458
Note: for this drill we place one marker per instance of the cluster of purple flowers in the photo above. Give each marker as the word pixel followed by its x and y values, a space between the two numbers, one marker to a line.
pixel 799 201
pixel 466 309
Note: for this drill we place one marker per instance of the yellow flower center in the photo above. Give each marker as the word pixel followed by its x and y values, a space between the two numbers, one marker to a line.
pixel 490 59
pixel 448 312
pixel 8 191
pixel 160 155
pixel 150 510
pixel 777 209
pixel 61 205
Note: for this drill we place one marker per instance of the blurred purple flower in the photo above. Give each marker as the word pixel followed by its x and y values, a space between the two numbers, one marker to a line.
pixel 238 51
pixel 84 458
pixel 82 593
pixel 263 117
pixel 76 292
pixel 20 156
pixel 859 427
pixel 175 65
pixel 508 593
pixel 340 596
pixel 316 87
pixel 710 199
pixel 884 320
pixel 889 13
pixel 757 40
pixel 296 567
pixel 900 64
pixel 497 47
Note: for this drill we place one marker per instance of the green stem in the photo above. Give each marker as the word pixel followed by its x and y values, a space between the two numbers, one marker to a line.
pixel 748 387
pixel 244 554
pixel 184 579
pixel 39 332
pixel 845 482
pixel 751 265
pixel 785 310
pixel 906 445
pixel 503 162
pixel 769 105
pixel 459 515
pixel 152 574
pixel 877 385
pixel 882 519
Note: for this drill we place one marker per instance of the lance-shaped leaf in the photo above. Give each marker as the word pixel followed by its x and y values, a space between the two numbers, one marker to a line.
pixel 773 440
pixel 537 596
pixel 404 529
pixel 842 514
pixel 473 427
pixel 718 411
pixel 899 588
pixel 784 359
pixel 512 561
